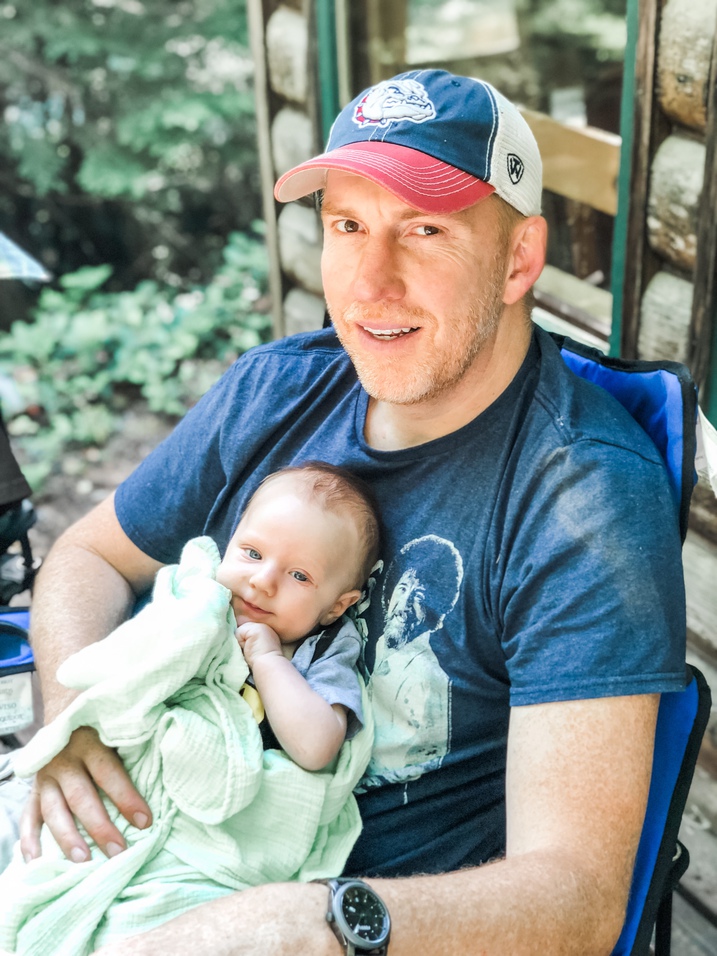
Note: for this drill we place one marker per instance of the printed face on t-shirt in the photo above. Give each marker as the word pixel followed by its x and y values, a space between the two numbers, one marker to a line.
pixel 286 563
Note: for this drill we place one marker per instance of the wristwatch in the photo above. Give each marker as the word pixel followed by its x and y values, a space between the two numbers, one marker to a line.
pixel 358 916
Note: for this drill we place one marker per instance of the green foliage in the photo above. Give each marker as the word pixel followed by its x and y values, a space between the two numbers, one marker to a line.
pixel 133 111
pixel 129 82
pixel 89 352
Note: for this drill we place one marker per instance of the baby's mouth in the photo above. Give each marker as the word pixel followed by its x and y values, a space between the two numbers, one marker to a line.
pixel 253 608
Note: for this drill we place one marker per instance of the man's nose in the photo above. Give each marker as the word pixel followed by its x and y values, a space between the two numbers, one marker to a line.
pixel 399 602
pixel 378 274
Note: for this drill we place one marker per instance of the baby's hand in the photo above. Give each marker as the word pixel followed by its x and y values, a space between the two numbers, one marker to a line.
pixel 256 640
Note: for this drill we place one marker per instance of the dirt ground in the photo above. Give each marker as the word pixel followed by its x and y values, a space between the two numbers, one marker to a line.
pixel 87 478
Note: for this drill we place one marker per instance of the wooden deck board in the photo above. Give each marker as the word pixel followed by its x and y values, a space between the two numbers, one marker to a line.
pixel 692 934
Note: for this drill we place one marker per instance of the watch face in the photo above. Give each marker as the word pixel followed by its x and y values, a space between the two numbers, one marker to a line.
pixel 364 914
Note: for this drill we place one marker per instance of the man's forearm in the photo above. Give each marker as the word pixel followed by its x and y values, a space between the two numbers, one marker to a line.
pixel 535 904
pixel 542 902
pixel 78 599
pixel 80 596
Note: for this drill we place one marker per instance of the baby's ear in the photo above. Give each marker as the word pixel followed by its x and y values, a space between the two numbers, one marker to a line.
pixel 342 603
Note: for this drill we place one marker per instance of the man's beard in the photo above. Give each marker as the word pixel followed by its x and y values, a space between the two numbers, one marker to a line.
pixel 392 378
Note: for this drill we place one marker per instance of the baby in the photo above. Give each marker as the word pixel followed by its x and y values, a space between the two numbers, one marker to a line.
pixel 302 551
pixel 231 808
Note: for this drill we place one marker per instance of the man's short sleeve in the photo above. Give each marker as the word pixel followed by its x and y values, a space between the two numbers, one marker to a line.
pixel 592 598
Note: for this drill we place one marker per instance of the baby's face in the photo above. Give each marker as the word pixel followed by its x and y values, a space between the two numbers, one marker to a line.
pixel 286 563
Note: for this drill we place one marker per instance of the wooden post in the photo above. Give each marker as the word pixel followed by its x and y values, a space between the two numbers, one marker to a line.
pixel 702 357
pixel 650 128
pixel 257 22
pixel 386 23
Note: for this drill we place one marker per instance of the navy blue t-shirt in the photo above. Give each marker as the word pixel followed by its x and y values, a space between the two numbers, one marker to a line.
pixel 531 556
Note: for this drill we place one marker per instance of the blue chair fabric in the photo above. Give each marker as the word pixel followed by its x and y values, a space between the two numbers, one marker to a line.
pixel 662 398
pixel 661 859
pixel 15 651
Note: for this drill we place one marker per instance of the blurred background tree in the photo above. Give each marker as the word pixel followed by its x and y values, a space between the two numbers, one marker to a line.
pixel 128 133
pixel 128 143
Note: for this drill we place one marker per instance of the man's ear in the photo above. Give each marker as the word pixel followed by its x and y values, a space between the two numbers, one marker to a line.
pixel 344 602
pixel 527 258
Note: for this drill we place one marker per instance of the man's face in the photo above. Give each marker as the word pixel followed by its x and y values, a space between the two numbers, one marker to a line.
pixel 406 614
pixel 414 297
pixel 286 564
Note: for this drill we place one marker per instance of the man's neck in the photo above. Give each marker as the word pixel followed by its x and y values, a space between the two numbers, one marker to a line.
pixel 391 427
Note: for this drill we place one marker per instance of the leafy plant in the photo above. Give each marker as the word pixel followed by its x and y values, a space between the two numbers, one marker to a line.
pixel 89 353
pixel 128 133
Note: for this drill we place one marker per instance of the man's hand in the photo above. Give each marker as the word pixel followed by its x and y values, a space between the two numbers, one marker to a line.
pixel 256 640
pixel 67 788
pixel 277 919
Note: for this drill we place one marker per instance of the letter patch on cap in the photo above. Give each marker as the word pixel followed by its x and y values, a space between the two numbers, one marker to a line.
pixel 393 101
pixel 515 168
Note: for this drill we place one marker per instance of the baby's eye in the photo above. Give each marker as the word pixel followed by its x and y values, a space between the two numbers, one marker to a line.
pixel 347 225
pixel 253 554
pixel 299 575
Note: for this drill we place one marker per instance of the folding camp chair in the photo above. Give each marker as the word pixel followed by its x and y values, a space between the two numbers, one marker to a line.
pixel 16 665
pixel 18 568
pixel 661 397
pixel 17 516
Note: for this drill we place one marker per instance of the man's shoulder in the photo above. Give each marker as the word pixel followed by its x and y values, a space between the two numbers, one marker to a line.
pixel 576 410
pixel 299 367
pixel 321 345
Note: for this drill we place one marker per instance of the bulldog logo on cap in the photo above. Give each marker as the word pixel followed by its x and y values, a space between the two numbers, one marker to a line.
pixel 392 101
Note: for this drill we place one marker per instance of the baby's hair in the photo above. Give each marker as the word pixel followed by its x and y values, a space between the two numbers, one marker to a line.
pixel 340 490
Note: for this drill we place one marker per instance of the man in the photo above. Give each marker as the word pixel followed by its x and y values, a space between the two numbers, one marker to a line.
pixel 471 430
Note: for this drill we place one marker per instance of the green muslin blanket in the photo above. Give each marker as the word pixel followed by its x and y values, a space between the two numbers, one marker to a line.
pixel 163 689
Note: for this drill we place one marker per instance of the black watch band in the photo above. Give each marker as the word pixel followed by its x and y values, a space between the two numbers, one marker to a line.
pixel 358 917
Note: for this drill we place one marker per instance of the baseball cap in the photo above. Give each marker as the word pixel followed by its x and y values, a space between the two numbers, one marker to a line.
pixel 438 141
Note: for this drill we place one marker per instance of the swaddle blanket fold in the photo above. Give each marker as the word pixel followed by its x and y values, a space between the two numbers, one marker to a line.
pixel 163 689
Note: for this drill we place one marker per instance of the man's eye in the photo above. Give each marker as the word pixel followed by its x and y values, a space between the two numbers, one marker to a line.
pixel 299 575
pixel 347 225
pixel 427 230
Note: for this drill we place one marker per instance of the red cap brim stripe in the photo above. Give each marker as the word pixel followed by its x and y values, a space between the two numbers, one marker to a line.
pixel 422 181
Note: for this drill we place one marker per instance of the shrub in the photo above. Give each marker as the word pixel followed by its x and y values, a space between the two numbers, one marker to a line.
pixel 89 354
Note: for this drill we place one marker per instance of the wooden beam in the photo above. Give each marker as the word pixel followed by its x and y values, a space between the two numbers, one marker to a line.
pixel 650 128
pixel 702 357
pixel 581 163
pixel 576 301
pixel 386 29
pixel 257 30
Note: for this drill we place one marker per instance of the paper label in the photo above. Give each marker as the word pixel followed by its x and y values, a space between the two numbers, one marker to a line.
pixel 16 710
pixel 706 457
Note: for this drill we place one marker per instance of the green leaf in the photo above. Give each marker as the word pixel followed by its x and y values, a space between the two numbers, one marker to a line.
pixel 87 279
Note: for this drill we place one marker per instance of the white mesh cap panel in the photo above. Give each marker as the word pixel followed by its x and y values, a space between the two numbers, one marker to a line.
pixel 516 167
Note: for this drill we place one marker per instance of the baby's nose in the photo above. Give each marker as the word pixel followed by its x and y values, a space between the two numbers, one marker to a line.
pixel 264 579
